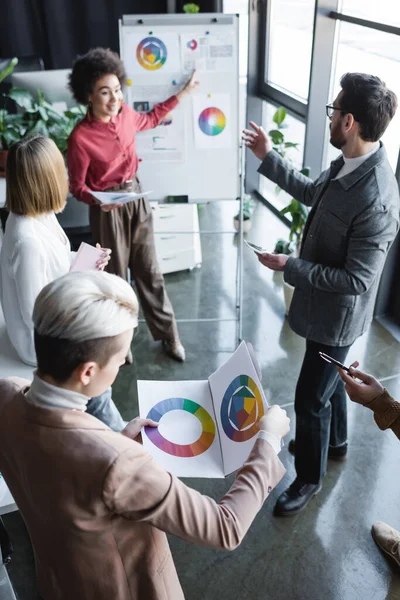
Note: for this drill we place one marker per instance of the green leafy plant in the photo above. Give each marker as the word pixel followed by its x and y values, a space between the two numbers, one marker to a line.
pixel 10 125
pixel 248 204
pixel 191 8
pixel 39 117
pixel 295 209
pixel 36 116
pixel 60 132
pixel 11 129
pixel 8 69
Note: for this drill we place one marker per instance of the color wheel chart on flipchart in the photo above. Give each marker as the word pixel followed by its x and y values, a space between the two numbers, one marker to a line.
pixel 197 150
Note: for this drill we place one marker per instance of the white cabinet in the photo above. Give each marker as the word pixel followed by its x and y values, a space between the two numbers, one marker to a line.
pixel 177 238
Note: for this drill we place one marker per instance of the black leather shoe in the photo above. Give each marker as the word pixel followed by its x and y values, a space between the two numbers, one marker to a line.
pixel 338 453
pixel 295 498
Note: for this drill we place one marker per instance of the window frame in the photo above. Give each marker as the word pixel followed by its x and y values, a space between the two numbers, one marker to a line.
pixel 327 17
pixel 323 56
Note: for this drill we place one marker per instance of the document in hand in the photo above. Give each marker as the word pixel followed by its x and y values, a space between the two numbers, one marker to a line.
pixel 118 197
pixel 86 258
pixel 206 428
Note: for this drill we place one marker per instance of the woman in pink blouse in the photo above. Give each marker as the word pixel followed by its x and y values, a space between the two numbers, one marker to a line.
pixel 102 156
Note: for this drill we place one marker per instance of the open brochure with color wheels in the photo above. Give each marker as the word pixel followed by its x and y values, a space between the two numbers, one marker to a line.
pixel 206 428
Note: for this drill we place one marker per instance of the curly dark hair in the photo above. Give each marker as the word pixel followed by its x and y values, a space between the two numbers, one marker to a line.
pixel 90 67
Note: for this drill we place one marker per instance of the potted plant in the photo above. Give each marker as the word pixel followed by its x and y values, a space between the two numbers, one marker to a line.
pixel 10 124
pixel 61 130
pixel 191 8
pixel 295 209
pixel 40 117
pixel 247 212
pixel 37 116
pixel 11 130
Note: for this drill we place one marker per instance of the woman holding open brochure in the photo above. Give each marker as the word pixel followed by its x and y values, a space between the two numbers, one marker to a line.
pixel 35 249
pixel 102 157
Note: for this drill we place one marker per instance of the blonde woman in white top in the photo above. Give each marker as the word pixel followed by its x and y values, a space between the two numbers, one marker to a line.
pixel 35 249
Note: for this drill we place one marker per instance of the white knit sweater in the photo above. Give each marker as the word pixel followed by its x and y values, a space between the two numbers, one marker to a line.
pixel 35 251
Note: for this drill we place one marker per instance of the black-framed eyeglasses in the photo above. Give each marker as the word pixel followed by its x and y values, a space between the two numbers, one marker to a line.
pixel 330 110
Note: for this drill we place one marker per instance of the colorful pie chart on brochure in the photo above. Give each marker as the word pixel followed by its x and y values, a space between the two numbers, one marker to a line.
pixel 182 450
pixel 212 121
pixel 151 53
pixel 241 408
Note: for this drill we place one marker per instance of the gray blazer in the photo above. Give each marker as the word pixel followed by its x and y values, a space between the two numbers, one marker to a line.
pixel 348 233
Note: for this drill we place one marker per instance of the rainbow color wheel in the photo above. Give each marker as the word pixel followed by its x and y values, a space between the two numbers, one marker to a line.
pixel 241 409
pixel 151 53
pixel 212 121
pixel 182 450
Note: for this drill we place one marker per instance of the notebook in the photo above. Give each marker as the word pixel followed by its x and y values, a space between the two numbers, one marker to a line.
pixel 86 258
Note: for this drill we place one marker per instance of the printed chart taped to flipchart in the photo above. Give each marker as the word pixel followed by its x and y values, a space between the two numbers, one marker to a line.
pixel 195 149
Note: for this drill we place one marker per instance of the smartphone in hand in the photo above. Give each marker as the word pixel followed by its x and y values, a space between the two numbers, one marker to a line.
pixel 333 361
pixel 255 248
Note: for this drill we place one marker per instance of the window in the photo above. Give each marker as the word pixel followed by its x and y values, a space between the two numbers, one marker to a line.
pixel 293 132
pixel 370 51
pixel 289 46
pixel 240 7
pixel 384 11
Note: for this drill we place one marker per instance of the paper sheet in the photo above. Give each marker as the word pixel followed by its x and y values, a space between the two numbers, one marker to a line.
pixel 165 142
pixel 212 121
pixel 86 258
pixel 207 53
pixel 186 442
pixel 118 197
pixel 143 97
pixel 151 54
pixel 239 402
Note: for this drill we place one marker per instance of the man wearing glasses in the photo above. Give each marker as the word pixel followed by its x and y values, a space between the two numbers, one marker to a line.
pixel 353 221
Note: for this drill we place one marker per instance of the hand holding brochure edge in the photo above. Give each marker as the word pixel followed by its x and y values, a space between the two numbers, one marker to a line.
pixel 121 197
pixel 275 421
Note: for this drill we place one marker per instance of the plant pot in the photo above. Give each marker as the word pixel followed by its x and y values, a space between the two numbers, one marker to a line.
pixel 288 295
pixel 246 224
pixel 3 161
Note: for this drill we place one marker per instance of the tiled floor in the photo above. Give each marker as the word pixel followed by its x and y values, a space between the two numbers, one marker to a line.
pixel 324 553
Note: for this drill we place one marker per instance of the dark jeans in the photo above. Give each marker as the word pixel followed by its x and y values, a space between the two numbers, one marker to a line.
pixel 103 408
pixel 321 411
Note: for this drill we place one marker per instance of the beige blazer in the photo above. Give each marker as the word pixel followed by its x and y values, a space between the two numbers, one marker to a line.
pixel 97 505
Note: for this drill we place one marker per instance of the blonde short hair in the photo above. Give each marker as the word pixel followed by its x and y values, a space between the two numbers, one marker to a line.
pixel 80 317
pixel 85 305
pixel 36 177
